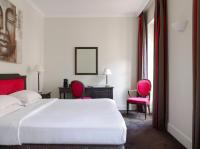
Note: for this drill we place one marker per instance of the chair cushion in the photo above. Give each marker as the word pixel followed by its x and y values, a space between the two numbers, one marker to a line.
pixel 136 100
pixel 77 88
pixel 144 87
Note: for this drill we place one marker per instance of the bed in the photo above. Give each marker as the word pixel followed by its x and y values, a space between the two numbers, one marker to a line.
pixel 55 123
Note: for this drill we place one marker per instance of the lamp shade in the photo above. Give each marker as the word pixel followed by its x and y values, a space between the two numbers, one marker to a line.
pixel 107 71
pixel 39 68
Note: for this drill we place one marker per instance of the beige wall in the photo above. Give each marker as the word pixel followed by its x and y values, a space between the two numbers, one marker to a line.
pixel 180 72
pixel 117 42
pixel 32 44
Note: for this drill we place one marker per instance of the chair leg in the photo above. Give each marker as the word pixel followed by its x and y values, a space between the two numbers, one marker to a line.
pixel 149 108
pixel 145 106
pixel 127 107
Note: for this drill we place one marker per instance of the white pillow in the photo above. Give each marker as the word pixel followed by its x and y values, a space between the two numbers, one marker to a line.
pixel 6 101
pixel 27 97
pixel 10 109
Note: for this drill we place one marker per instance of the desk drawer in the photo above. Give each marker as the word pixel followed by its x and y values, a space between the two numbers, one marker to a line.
pixel 94 92
pixel 99 92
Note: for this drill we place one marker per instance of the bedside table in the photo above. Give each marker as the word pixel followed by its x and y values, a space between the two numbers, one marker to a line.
pixel 45 94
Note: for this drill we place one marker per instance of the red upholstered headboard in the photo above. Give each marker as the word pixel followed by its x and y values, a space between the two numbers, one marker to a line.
pixel 10 83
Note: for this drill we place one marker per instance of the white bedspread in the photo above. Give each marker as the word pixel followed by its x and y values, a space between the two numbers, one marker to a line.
pixel 95 121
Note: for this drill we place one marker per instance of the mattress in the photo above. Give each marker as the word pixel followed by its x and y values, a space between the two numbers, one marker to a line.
pixel 54 121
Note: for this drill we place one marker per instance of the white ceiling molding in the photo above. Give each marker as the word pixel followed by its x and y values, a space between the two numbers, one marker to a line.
pixel 36 7
pixel 89 8
pixel 148 2
pixel 91 16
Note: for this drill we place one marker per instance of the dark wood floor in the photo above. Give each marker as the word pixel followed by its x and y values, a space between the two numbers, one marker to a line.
pixel 141 135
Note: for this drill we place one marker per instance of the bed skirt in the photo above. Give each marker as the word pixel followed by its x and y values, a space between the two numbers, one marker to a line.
pixel 57 146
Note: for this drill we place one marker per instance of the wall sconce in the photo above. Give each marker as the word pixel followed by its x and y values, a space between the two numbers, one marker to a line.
pixel 180 26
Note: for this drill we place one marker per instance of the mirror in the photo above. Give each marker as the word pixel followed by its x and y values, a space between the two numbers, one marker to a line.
pixel 86 60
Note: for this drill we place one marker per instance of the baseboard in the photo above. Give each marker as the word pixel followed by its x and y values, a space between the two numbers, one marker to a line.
pixel 180 136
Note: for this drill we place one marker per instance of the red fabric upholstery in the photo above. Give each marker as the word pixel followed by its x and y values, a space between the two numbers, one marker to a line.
pixel 78 89
pixel 11 86
pixel 144 87
pixel 139 100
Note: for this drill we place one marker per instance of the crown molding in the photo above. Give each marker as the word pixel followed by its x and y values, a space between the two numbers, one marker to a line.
pixel 147 4
pixel 135 14
pixel 36 8
pixel 92 16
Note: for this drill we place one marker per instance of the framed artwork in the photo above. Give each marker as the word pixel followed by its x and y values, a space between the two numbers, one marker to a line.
pixel 10 32
pixel 86 60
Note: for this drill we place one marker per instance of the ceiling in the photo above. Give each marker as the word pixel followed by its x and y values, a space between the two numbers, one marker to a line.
pixel 89 8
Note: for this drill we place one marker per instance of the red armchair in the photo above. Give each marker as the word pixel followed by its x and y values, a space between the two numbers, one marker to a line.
pixel 143 89
pixel 78 90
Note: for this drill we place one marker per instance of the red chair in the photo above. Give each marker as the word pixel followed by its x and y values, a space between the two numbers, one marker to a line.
pixel 143 89
pixel 78 90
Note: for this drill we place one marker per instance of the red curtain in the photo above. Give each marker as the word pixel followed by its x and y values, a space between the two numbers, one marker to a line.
pixel 140 47
pixel 142 67
pixel 196 74
pixel 160 102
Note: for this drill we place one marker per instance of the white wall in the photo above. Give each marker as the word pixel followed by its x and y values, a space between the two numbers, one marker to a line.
pixel 117 42
pixel 32 43
pixel 180 73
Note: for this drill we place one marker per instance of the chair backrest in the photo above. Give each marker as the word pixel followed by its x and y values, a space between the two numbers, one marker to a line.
pixel 144 87
pixel 77 89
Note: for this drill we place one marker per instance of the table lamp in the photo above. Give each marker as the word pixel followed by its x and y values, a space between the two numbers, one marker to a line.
pixel 107 72
pixel 39 69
